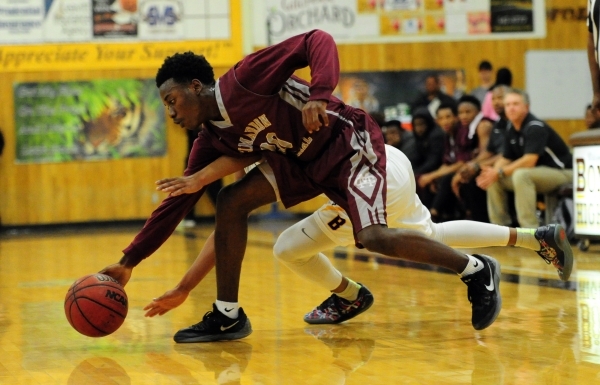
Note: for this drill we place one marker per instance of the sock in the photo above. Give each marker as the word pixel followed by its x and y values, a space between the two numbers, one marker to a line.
pixel 526 239
pixel 473 266
pixel 230 309
pixel 350 293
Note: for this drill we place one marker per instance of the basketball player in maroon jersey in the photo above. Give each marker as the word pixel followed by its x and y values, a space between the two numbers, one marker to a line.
pixel 313 142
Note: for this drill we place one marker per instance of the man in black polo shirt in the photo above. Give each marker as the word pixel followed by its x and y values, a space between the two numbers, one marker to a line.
pixel 535 160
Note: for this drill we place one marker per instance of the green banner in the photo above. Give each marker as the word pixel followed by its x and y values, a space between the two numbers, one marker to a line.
pixel 88 120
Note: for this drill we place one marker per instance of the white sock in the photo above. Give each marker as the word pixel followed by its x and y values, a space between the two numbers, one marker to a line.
pixel 350 293
pixel 473 266
pixel 230 309
pixel 526 239
pixel 470 234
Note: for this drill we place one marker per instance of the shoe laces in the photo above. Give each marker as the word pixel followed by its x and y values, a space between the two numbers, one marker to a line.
pixel 548 254
pixel 329 303
pixel 207 319
pixel 477 293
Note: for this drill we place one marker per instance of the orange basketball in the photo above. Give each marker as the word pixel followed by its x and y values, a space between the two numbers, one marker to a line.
pixel 96 305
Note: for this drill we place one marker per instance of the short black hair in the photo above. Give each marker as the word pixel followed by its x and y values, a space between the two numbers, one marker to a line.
pixel 485 66
pixel 450 106
pixel 470 99
pixel 394 123
pixel 185 67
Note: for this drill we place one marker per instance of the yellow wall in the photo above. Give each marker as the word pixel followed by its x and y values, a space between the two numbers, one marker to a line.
pixel 122 190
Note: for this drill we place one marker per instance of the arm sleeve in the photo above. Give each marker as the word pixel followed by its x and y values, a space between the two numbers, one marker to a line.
pixel 172 210
pixel 266 71
pixel 434 156
pixel 535 137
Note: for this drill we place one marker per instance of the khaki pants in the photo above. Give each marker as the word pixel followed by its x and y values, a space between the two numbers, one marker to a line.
pixel 526 184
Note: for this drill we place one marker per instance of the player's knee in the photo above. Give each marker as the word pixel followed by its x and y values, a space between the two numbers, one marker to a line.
pixel 372 237
pixel 282 250
pixel 232 199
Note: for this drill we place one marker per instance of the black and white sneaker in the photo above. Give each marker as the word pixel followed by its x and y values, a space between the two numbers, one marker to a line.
pixel 555 249
pixel 216 326
pixel 484 292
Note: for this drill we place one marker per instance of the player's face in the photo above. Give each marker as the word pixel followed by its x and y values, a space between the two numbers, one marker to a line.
pixel 446 119
pixel 466 113
pixel 515 108
pixel 184 103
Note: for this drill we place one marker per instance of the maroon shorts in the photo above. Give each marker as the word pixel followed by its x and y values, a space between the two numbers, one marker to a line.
pixel 350 171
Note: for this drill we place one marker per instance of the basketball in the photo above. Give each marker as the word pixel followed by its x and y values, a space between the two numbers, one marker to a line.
pixel 96 305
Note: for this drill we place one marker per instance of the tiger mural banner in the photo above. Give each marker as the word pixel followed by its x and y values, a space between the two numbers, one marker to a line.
pixel 88 120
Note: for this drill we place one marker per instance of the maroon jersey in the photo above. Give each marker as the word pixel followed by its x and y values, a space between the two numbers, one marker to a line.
pixel 261 103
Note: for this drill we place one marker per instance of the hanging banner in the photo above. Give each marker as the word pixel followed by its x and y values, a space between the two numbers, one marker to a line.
pixel 388 21
pixel 88 120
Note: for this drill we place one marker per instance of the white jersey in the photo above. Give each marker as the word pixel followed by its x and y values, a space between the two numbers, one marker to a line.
pixel 404 208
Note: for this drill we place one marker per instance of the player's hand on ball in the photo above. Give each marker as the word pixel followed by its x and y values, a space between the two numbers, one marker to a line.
pixel 119 272
pixel 180 185
pixel 170 300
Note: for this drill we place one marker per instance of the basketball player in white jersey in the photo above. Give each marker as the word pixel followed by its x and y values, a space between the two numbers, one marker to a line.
pixel 299 247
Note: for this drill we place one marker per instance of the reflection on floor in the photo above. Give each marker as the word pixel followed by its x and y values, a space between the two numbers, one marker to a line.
pixel 417 332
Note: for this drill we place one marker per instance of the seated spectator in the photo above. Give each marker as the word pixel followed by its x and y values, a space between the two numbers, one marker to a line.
pixel 503 78
pixel 458 148
pixel 592 118
pixel 486 81
pixel 470 139
pixel 473 198
pixel 535 161
pixel 428 150
pixel 433 97
pixel 398 137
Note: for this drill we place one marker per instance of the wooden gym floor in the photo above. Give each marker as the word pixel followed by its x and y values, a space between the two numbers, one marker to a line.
pixel 417 332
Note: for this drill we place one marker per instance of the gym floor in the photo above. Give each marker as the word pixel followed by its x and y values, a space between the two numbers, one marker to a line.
pixel 417 332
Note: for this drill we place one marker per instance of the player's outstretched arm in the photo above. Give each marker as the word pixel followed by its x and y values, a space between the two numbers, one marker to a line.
pixel 218 169
pixel 203 264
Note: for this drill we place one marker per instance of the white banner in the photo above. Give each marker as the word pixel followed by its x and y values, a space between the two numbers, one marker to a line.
pixel 389 21
pixel 586 189
pixel 68 20
pixel 21 21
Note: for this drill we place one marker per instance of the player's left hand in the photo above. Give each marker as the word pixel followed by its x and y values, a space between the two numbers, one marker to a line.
pixel 170 300
pixel 314 115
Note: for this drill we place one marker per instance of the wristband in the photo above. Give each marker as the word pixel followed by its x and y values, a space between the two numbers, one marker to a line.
pixel 501 174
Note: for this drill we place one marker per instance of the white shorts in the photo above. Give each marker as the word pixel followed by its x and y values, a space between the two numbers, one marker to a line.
pixel 404 208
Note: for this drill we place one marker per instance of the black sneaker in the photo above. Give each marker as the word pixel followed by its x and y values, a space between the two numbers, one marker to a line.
pixel 484 292
pixel 216 326
pixel 336 309
pixel 555 249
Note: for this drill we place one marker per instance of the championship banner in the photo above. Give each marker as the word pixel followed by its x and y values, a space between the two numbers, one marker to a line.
pixel 388 21
pixel 88 120
pixel 586 194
